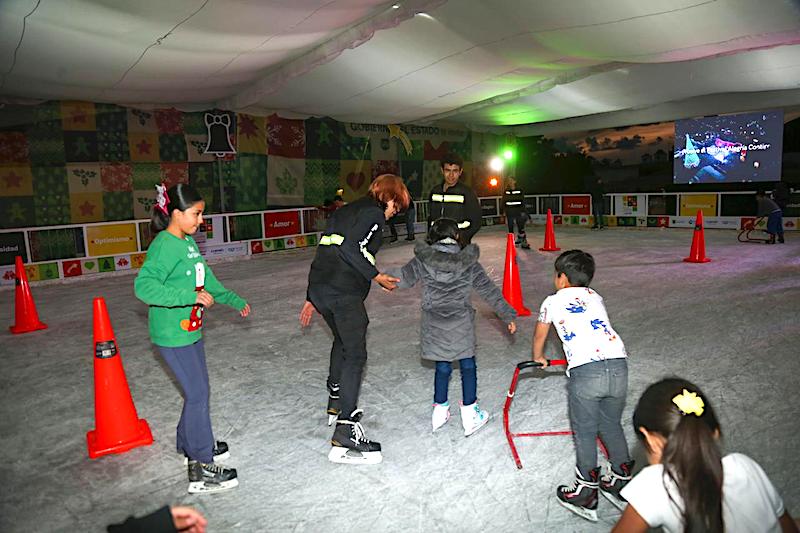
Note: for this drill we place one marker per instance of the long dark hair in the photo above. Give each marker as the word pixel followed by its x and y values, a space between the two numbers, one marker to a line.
pixel 181 197
pixel 691 456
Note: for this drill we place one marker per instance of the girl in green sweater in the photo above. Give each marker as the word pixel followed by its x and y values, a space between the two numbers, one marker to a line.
pixel 178 285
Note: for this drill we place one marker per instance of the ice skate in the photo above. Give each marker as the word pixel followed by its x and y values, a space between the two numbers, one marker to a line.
pixel 220 453
pixel 351 446
pixel 206 478
pixel 473 418
pixel 581 496
pixel 523 239
pixel 441 414
pixel 612 482
pixel 333 402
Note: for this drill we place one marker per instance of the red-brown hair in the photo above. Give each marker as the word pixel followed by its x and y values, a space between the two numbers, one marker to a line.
pixel 388 187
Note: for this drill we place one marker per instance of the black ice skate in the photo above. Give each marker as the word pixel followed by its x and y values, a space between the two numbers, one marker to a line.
pixel 523 240
pixel 581 496
pixel 333 402
pixel 612 482
pixel 209 477
pixel 351 446
pixel 220 453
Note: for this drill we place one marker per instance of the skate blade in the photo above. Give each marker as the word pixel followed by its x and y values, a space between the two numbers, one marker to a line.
pixel 477 428
pixel 201 487
pixel 217 458
pixel 617 502
pixel 583 512
pixel 440 425
pixel 342 455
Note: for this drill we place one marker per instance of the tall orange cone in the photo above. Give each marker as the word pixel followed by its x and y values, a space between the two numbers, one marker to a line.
pixel 549 236
pixel 698 252
pixel 25 316
pixel 512 290
pixel 119 428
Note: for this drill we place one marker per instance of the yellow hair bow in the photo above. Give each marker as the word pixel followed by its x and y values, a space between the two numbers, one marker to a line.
pixel 689 403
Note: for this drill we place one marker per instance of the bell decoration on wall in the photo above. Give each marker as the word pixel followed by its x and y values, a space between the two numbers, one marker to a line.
pixel 219 136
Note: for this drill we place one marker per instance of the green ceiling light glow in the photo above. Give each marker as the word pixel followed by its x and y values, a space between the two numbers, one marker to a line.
pixel 508 154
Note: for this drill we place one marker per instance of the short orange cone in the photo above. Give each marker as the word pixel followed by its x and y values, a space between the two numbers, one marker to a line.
pixel 512 290
pixel 119 428
pixel 698 252
pixel 549 236
pixel 25 316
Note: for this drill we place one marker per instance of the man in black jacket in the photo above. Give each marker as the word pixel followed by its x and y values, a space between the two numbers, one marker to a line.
pixel 514 208
pixel 455 200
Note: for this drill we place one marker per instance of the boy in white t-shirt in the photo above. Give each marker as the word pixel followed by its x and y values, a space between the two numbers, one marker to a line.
pixel 597 372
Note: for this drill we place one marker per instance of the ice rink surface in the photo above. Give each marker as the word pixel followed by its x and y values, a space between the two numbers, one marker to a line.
pixel 732 326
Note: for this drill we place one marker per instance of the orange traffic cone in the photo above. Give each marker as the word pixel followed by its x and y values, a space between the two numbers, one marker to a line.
pixel 512 291
pixel 549 236
pixel 25 316
pixel 119 428
pixel 698 252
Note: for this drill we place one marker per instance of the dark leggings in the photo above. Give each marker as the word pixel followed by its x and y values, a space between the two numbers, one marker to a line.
pixel 346 316
pixel 469 381
pixel 188 364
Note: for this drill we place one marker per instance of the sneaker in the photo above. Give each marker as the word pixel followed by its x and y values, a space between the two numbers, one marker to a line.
pixel 581 496
pixel 473 418
pixel 333 402
pixel 612 482
pixel 410 238
pixel 441 414
pixel 220 453
pixel 351 446
pixel 525 245
pixel 210 477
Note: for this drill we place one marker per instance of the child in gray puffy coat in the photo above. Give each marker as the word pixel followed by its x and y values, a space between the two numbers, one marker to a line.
pixel 449 272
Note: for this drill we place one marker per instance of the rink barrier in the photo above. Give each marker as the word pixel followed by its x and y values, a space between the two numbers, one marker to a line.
pixel 76 250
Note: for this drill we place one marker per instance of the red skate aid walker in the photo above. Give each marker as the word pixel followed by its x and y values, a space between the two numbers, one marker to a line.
pixel 507 407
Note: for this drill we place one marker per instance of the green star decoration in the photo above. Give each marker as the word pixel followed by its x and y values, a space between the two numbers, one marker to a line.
pixel 286 182
pixel 16 212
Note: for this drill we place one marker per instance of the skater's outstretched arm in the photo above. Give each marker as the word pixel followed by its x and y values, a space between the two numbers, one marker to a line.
pixel 492 295
pixel 408 274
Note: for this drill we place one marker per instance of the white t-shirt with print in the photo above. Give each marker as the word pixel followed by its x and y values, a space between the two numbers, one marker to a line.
pixel 581 321
pixel 750 502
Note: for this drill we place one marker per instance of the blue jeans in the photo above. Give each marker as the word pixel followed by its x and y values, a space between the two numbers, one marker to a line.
pixel 775 223
pixel 596 396
pixel 188 363
pixel 469 381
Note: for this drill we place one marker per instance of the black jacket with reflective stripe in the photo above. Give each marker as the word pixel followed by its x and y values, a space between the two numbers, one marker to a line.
pixel 350 266
pixel 514 200
pixel 467 211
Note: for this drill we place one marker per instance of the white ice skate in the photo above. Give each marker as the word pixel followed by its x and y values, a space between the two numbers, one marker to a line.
pixel 441 414
pixel 473 418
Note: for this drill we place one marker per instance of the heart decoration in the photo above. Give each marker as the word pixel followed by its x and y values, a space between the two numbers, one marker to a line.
pixel 89 264
pixel 355 181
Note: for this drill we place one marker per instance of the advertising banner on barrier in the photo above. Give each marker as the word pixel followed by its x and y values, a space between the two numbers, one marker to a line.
pixel 790 223
pixel 111 239
pixel 210 233
pixel 488 207
pixel 7 276
pixel 721 222
pixel 576 205
pixel 681 222
pixel 691 203
pixel 281 223
pixel 629 205
pixel 12 245
pixel 226 250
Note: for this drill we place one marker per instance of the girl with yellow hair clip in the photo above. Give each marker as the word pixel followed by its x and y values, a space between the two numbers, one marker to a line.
pixel 689 486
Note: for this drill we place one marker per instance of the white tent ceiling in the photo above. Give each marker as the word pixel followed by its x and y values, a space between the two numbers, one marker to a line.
pixel 485 63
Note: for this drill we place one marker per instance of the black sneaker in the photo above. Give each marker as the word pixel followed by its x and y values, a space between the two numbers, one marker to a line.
pixel 220 453
pixel 351 446
pixel 581 496
pixel 210 477
pixel 611 484
pixel 333 402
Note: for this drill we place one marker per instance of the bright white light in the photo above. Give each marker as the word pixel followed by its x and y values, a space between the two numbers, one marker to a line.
pixel 396 6
pixel 496 164
pixel 425 16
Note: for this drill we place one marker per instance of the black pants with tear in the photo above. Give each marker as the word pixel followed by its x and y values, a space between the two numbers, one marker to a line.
pixel 347 317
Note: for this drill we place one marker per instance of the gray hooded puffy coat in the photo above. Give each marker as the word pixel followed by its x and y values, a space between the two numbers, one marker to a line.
pixel 448 275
